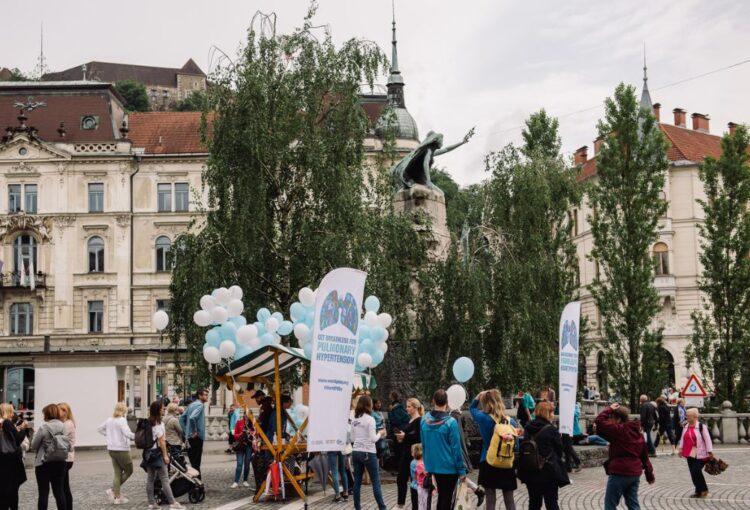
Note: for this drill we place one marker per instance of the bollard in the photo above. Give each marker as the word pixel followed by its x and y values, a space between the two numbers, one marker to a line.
pixel 729 424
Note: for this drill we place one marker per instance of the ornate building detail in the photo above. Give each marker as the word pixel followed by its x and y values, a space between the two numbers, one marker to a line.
pixel 23 168
pixel 63 222
pixel 41 225
pixel 123 220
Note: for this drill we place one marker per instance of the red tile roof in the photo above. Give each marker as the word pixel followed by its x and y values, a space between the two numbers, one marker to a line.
pixel 166 132
pixel 684 144
pixel 113 72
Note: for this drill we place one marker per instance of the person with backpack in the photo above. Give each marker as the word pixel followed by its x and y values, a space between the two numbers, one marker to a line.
pixel 52 447
pixel 155 456
pixel 628 457
pixel 649 418
pixel 243 449
pixel 540 464
pixel 697 448
pixel 12 471
pixel 194 426
pixel 406 438
pixel 66 416
pixel 441 443
pixel 118 435
pixel 679 417
pixel 499 433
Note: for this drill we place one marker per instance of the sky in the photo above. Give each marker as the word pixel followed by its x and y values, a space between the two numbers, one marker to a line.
pixel 483 63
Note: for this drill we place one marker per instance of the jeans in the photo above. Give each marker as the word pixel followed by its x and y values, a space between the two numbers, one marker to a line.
pixel 122 463
pixel 546 493
pixel 195 453
pixel 696 473
pixel 597 440
pixel 337 467
pixel 244 459
pixel 648 430
pixel 446 486
pixel 51 474
pixel 368 461
pixel 619 486
pixel 161 472
pixel 66 486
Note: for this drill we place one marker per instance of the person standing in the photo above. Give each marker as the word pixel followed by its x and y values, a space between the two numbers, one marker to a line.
pixel 678 418
pixel 697 448
pixel 156 459
pixel 523 413
pixel 488 410
pixel 666 431
pixel 628 457
pixel 118 435
pixel 173 432
pixel 648 420
pixel 364 454
pixel 441 443
pixel 233 416
pixel 243 449
pixel 12 472
pixel 543 485
pixel 66 416
pixel 50 464
pixel 406 438
pixel 195 429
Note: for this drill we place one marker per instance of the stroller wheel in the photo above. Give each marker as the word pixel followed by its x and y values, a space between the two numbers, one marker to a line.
pixel 197 495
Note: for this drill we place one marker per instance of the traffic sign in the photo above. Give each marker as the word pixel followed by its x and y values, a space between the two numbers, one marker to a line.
pixel 694 401
pixel 694 388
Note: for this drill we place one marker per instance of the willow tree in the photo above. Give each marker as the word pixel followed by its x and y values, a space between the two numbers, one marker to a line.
pixel 291 194
pixel 631 168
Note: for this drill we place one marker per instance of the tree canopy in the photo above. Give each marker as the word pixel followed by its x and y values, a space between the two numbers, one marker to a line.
pixel 135 95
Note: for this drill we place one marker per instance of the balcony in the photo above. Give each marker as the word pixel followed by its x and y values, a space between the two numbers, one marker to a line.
pixel 15 280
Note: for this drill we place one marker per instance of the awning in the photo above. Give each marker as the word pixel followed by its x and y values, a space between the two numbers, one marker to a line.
pixel 260 363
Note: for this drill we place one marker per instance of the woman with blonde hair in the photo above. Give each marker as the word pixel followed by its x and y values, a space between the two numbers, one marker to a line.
pixel 118 434
pixel 12 472
pixel 407 437
pixel 69 422
pixel 488 410
pixel 173 432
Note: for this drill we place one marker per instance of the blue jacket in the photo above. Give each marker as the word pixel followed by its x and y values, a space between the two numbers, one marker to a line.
pixel 486 425
pixel 378 416
pixel 195 420
pixel 577 424
pixel 441 442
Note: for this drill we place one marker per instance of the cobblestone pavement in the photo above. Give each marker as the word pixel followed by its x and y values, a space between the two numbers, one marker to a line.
pixel 91 476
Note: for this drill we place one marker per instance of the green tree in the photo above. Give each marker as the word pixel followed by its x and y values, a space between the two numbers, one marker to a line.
pixel 287 199
pixel 18 75
pixel 462 204
pixel 631 168
pixel 135 95
pixel 721 338
pixel 195 102
pixel 541 136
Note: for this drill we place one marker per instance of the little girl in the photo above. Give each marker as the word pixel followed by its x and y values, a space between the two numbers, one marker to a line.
pixel 421 497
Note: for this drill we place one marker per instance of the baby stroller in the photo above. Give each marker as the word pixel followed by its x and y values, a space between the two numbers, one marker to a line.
pixel 183 479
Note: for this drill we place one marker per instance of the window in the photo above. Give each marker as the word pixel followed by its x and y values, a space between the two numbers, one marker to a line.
pixel 96 316
pixel 30 192
pixel 575 222
pixel 163 244
pixel 164 197
pixel 661 259
pixel 96 254
pixel 21 318
pixel 89 122
pixel 24 255
pixel 601 372
pixel 96 197
pixel 164 304
pixel 14 198
pixel 181 196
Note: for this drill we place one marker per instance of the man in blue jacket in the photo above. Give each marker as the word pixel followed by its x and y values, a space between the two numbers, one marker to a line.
pixel 441 442
pixel 195 428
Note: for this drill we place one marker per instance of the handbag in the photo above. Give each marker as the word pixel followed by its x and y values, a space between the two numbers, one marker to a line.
pixel 465 498
pixel 8 444
pixel 715 466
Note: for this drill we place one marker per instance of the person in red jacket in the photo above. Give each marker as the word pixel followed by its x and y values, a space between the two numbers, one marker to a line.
pixel 243 449
pixel 628 456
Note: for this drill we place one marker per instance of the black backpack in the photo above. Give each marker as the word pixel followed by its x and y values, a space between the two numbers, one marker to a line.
pixel 529 458
pixel 144 436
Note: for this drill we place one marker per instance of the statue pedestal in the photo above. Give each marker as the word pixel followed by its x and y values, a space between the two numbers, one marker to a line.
pixel 427 206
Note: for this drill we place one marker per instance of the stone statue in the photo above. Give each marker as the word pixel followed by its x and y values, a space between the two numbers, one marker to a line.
pixel 415 167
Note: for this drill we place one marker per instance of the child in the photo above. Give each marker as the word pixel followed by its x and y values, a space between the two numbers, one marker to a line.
pixel 421 496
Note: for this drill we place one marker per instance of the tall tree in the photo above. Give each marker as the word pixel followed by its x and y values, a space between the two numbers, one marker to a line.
pixel 287 199
pixel 135 95
pixel 631 168
pixel 721 338
pixel 541 136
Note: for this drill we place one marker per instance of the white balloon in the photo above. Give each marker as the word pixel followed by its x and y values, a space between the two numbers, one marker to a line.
pixel 382 346
pixel 254 342
pixel 371 319
pixel 212 355
pixel 385 320
pixel 207 302
pixel 246 333
pixel 235 307
pixel 302 333
pixel 364 360
pixel 237 386
pixel 236 292
pixel 202 318
pixel 227 349
pixel 219 315
pixel 302 412
pixel 456 396
pixel 276 339
pixel 307 296
pixel 160 320
pixel 272 325
pixel 223 296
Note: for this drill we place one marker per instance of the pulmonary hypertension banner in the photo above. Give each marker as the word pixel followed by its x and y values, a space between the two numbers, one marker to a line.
pixel 338 303
pixel 569 330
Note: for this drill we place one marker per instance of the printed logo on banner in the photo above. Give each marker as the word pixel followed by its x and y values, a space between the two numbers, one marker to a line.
pixel 568 350
pixel 343 309
pixel 570 336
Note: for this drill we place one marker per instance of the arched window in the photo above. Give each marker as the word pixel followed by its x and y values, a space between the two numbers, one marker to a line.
pixel 661 259
pixel 24 257
pixel 669 367
pixel 601 372
pixel 96 255
pixel 21 319
pixel 163 244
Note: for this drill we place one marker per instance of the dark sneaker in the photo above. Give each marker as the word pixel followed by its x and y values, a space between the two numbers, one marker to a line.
pixel 480 496
pixel 337 499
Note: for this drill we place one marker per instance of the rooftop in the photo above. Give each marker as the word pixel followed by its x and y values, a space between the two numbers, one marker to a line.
pixel 113 72
pixel 166 132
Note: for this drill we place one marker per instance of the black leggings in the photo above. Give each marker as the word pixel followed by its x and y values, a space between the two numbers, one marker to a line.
pixel 402 479
pixel 414 498
pixel 51 474
pixel 446 486
pixel 66 486
pixel 546 493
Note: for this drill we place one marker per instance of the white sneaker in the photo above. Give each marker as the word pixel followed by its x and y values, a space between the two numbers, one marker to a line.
pixel 234 485
pixel 154 507
pixel 245 484
pixel 110 495
pixel 177 506
pixel 122 500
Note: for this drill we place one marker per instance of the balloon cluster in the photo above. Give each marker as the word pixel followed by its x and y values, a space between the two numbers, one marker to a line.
pixel 372 330
pixel 463 370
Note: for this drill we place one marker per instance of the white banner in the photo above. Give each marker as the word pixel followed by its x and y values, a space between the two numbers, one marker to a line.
pixel 338 305
pixel 569 329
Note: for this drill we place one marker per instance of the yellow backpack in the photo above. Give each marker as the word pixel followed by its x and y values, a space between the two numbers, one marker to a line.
pixel 501 452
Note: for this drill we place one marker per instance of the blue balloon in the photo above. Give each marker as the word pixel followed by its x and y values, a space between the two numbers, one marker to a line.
pixel 242 351
pixel 372 304
pixel 377 357
pixel 377 334
pixel 278 316
pixel 358 369
pixel 266 339
pixel 297 312
pixel 261 328
pixel 310 316
pixel 285 328
pixel 463 369
pixel 238 321
pixel 308 350
pixel 213 337
pixel 263 315
pixel 228 331
pixel 364 331
pixel 367 346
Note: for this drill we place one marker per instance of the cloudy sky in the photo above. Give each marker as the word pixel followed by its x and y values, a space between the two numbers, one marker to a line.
pixel 483 63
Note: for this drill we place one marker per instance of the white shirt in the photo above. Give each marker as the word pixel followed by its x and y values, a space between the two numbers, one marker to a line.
pixel 364 435
pixel 157 431
pixel 118 434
